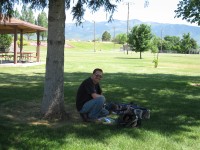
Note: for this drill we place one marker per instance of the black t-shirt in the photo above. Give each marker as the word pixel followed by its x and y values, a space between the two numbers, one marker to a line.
pixel 85 90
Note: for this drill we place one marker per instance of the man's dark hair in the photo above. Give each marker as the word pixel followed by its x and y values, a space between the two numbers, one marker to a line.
pixel 97 69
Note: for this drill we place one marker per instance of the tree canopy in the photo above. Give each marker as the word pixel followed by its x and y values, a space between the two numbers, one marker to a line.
pixel 78 7
pixel 106 36
pixel 189 10
pixel 28 16
pixel 139 38
pixel 42 21
pixel 121 38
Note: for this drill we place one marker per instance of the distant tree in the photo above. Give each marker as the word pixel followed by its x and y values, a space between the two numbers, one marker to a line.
pixel 189 10
pixel 155 44
pixel 194 43
pixel 106 36
pixel 16 14
pixel 139 39
pixel 27 15
pixel 121 38
pixel 173 43
pixel 24 13
pixel 42 21
pixel 158 42
pixel 176 43
pixel 186 43
pixel 166 45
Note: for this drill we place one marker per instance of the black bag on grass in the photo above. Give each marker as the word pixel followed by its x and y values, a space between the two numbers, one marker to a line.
pixel 129 115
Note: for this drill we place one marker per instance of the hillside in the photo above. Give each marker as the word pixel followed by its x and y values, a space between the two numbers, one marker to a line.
pixel 86 30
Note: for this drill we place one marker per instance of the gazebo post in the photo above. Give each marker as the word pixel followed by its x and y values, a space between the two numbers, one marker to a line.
pixel 21 43
pixel 21 40
pixel 15 45
pixel 38 47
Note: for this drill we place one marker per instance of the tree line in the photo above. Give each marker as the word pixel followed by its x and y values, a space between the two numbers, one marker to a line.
pixel 172 44
pixel 27 15
pixel 141 39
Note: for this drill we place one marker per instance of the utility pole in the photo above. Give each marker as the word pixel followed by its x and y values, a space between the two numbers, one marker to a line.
pixel 94 38
pixel 160 44
pixel 114 37
pixel 161 39
pixel 128 3
pixel 128 19
pixel 127 27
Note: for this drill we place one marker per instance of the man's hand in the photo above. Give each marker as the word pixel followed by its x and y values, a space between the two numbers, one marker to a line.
pixel 95 95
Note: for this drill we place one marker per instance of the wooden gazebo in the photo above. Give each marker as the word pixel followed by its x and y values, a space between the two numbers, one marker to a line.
pixel 16 26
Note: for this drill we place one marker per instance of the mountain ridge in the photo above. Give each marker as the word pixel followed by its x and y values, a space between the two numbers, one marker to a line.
pixel 85 32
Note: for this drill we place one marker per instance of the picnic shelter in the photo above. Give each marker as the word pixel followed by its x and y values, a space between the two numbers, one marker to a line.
pixel 15 26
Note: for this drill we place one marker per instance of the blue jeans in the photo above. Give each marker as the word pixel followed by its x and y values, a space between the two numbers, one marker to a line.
pixel 95 108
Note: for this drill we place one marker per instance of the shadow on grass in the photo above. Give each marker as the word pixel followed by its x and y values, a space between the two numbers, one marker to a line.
pixel 173 101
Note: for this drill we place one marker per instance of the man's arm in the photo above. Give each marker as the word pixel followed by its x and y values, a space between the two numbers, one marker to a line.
pixel 95 95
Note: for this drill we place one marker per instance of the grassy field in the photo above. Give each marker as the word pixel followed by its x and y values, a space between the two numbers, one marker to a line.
pixel 171 92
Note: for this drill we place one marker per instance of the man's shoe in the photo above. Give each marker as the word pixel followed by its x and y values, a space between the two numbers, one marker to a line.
pixel 84 116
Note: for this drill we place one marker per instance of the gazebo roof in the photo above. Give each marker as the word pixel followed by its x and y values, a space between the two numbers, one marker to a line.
pixel 9 26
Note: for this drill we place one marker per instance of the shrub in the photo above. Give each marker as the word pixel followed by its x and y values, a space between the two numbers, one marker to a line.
pixel 25 43
pixel 5 41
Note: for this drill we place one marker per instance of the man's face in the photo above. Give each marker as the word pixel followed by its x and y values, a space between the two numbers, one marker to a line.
pixel 97 76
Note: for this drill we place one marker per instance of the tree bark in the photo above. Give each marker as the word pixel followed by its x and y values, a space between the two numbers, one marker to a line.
pixel 52 106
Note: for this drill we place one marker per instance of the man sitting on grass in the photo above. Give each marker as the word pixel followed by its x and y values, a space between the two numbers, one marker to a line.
pixel 89 99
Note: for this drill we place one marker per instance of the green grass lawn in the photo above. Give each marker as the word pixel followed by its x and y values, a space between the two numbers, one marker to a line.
pixel 171 92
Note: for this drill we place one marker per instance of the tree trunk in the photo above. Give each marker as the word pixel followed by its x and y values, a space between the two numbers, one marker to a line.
pixel 140 55
pixel 52 106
